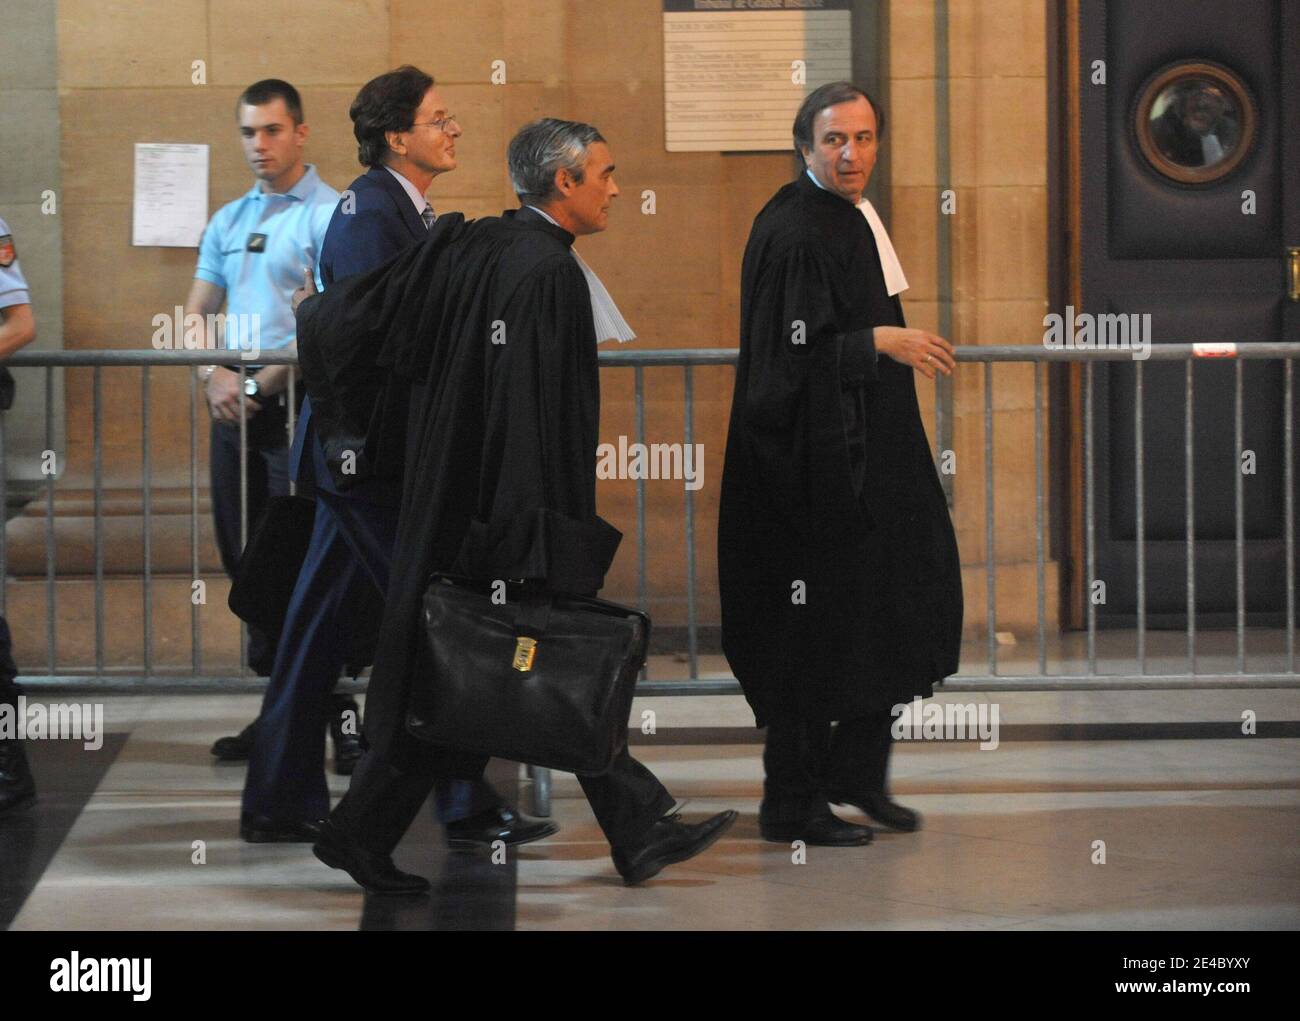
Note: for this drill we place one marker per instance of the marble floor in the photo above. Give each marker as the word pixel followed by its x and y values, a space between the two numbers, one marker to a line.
pixel 1196 832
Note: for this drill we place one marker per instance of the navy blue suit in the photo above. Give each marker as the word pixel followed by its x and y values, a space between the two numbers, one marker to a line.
pixel 351 544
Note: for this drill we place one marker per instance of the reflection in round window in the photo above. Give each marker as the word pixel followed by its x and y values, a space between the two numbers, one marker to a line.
pixel 1195 122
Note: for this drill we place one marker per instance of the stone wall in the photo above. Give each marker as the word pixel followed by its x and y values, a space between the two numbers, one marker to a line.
pixel 124 76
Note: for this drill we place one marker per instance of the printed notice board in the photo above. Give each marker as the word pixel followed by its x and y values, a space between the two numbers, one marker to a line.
pixel 735 71
pixel 170 203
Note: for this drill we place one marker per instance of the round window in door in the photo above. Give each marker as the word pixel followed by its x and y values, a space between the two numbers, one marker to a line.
pixel 1195 122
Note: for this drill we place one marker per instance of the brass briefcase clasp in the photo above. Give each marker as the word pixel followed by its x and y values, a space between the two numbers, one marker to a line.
pixel 525 651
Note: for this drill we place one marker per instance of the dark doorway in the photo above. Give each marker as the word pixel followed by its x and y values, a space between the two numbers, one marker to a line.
pixel 1189 198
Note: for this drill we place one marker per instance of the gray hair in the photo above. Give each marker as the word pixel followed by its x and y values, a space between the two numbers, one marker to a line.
pixel 542 148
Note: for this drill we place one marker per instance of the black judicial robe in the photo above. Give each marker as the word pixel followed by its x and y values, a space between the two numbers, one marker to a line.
pixel 359 407
pixel 840 581
pixel 492 329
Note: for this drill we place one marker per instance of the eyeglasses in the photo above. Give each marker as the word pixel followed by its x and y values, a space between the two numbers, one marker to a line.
pixel 440 124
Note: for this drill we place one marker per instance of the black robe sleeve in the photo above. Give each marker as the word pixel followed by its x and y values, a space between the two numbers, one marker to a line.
pixel 356 343
pixel 536 516
pixel 799 364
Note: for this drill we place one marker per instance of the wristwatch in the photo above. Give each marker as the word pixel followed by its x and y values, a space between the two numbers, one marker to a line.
pixel 251 388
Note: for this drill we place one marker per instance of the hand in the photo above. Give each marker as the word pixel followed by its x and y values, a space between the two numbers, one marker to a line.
pixel 222 392
pixel 307 289
pixel 925 352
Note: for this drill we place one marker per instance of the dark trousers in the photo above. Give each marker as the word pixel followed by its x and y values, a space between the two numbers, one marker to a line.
pixel 9 691
pixel 626 801
pixel 351 545
pixel 804 760
pixel 386 793
pixel 268 476
pixel 286 771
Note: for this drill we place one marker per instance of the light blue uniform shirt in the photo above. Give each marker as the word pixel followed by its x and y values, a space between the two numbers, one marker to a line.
pixel 13 288
pixel 292 228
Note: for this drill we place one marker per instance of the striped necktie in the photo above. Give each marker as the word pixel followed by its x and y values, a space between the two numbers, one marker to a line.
pixel 426 214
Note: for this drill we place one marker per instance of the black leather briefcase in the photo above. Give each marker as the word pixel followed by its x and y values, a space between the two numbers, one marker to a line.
pixel 546 680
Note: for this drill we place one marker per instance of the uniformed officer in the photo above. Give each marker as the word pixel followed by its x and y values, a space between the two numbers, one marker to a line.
pixel 17 328
pixel 251 259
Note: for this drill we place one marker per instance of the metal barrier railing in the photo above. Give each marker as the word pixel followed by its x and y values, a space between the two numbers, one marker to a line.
pixel 97 361
pixel 149 677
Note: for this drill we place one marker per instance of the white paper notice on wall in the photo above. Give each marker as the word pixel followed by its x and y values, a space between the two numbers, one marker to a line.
pixel 170 207
pixel 735 71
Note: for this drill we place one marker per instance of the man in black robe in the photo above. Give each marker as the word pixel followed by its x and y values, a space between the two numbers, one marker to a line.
pixel 486 331
pixel 407 138
pixel 840 582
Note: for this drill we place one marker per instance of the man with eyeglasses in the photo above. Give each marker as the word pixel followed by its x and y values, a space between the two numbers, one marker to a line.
pixel 406 137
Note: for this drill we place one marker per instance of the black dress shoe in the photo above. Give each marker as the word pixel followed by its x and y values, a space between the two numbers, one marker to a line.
pixel 258 829
pixel 375 873
pixel 822 829
pixel 881 809
pixel 17 788
pixel 502 823
pixel 237 748
pixel 669 841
